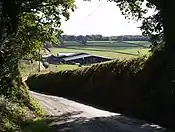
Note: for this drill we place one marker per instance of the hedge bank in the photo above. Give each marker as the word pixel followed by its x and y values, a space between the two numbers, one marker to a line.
pixel 137 87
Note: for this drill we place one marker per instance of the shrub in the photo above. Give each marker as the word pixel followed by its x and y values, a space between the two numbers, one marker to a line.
pixel 15 111
pixel 102 85
pixel 11 115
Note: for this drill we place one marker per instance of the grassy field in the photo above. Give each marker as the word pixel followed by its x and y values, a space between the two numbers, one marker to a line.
pixel 62 67
pixel 109 43
pixel 139 42
pixel 110 49
pixel 30 69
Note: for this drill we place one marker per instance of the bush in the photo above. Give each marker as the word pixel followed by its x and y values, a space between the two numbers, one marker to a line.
pixel 102 85
pixel 11 115
pixel 134 87
pixel 17 110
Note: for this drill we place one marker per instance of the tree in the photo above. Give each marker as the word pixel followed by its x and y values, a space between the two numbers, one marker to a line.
pixel 25 26
pixel 160 27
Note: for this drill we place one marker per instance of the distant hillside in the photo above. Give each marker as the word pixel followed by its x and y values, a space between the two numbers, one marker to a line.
pixel 143 44
pixel 82 38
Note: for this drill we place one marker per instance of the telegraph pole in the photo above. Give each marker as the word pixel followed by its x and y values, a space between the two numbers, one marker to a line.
pixel 39 68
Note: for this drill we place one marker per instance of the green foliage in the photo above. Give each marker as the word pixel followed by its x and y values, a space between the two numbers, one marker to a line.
pixel 11 115
pixel 131 9
pixel 27 69
pixel 14 114
pixel 37 108
pixel 24 98
pixel 111 49
pixel 107 79
pixel 38 125
pixel 25 26
pixel 152 26
pixel 38 27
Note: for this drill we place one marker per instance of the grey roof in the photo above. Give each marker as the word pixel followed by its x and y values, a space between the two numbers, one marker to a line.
pixel 46 55
pixel 76 57
pixel 66 54
pixel 73 56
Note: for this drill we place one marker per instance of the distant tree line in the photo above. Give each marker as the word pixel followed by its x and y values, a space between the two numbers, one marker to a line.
pixel 82 38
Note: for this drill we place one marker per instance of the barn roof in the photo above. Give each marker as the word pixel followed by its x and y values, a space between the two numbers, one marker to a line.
pixel 66 54
pixel 73 56
pixel 76 57
pixel 46 55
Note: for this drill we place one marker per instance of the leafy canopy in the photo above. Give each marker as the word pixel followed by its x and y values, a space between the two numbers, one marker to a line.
pixel 152 26
pixel 25 26
pixel 32 22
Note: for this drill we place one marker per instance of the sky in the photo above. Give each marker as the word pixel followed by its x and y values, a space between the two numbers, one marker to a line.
pixel 99 17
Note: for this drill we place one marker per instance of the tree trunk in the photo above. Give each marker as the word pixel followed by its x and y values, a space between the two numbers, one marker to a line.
pixel 167 14
pixel 169 32
pixel 8 73
pixel 168 76
pixel 9 56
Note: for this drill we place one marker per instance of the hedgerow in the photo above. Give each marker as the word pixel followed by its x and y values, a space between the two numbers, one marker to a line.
pixel 139 87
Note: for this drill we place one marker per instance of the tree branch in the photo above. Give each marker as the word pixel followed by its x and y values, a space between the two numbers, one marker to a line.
pixel 158 3
pixel 34 6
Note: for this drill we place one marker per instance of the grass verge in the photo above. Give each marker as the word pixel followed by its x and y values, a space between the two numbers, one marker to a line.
pixel 38 125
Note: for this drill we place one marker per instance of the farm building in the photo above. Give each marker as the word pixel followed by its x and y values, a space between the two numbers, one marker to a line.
pixel 84 59
pixel 51 59
pixel 75 58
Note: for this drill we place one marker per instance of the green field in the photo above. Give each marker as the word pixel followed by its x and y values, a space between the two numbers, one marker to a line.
pixel 62 67
pixel 30 69
pixel 110 49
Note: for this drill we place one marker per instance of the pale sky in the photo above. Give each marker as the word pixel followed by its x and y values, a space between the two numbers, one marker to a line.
pixel 99 17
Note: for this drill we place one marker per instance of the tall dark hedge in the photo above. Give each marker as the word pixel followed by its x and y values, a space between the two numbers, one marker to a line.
pixel 138 87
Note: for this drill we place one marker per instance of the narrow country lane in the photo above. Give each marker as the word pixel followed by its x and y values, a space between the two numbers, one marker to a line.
pixel 70 116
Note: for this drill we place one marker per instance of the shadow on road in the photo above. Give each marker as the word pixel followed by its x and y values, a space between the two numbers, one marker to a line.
pixel 71 122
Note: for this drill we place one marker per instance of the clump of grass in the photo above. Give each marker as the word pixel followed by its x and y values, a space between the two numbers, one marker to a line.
pixel 12 114
pixel 28 68
pixel 38 110
pixel 38 125
pixel 17 110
